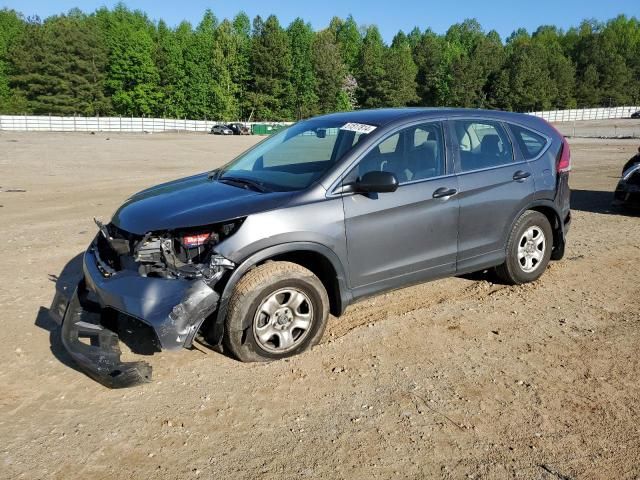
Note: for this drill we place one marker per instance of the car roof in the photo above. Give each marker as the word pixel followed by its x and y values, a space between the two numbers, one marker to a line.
pixel 384 116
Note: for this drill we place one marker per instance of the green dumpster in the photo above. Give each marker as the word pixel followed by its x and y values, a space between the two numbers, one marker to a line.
pixel 259 129
pixel 265 128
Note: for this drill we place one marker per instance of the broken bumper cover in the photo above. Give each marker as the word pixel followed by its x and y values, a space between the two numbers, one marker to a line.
pixel 173 308
pixel 101 359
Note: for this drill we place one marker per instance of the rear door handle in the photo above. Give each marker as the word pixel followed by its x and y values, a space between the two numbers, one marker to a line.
pixel 521 175
pixel 444 192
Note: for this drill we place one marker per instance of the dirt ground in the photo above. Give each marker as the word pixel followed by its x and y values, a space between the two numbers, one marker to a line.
pixel 458 378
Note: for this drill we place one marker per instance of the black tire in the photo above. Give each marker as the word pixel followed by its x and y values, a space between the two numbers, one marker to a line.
pixel 252 291
pixel 514 270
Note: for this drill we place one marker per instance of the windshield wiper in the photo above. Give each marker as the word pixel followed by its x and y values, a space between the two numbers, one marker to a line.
pixel 244 183
pixel 214 174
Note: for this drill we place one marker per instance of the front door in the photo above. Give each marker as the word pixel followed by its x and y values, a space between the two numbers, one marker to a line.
pixel 409 235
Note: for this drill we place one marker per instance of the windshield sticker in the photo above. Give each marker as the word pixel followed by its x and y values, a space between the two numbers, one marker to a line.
pixel 358 127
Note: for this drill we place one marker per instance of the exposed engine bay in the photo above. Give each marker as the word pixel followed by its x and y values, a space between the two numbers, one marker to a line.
pixel 186 254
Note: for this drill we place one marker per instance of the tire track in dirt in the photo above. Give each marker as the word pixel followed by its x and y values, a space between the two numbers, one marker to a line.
pixel 401 302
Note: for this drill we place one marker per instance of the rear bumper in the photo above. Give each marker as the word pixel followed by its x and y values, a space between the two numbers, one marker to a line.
pixel 174 309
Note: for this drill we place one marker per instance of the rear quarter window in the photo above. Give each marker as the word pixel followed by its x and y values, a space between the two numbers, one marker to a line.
pixel 531 144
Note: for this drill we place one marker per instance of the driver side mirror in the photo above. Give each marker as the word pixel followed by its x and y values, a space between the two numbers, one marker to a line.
pixel 376 182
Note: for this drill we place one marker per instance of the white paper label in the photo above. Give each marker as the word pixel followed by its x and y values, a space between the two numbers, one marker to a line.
pixel 358 127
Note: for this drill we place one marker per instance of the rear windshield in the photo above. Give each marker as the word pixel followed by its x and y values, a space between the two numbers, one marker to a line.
pixel 531 144
pixel 295 158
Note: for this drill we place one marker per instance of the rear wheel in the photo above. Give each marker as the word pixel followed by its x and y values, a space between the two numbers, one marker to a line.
pixel 277 310
pixel 528 249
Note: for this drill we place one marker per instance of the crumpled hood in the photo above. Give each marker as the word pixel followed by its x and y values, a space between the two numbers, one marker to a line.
pixel 191 202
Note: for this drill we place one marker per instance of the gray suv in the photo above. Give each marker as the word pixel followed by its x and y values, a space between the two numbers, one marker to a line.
pixel 253 257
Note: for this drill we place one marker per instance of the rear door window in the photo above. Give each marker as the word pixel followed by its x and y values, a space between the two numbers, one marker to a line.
pixel 531 144
pixel 482 144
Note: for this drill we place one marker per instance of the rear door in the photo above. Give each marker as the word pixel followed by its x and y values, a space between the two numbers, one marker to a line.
pixel 495 185
pixel 411 234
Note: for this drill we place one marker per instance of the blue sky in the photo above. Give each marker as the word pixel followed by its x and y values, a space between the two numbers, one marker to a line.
pixel 391 16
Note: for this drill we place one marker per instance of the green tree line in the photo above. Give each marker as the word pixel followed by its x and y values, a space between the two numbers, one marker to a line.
pixel 119 62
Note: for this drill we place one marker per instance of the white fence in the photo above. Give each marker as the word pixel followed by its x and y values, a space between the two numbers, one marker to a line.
pixel 28 123
pixel 586 114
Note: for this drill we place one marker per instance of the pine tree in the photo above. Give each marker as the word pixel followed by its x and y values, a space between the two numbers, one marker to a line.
pixel 429 57
pixel 349 39
pixel 169 60
pixel 11 28
pixel 527 85
pixel 242 67
pixel 209 85
pixel 329 73
pixel 400 74
pixel 58 66
pixel 371 72
pixel 272 65
pixel 302 75
pixel 561 69
pixel 132 78
pixel 231 69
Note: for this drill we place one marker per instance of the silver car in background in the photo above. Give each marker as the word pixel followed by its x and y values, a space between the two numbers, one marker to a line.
pixel 221 130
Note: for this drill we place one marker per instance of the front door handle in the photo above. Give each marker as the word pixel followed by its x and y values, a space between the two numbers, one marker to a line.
pixel 444 192
pixel 521 175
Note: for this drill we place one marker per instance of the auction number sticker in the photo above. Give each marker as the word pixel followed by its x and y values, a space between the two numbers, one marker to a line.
pixel 358 127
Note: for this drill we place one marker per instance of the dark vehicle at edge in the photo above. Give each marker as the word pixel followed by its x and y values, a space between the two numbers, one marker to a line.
pixel 239 129
pixel 252 257
pixel 627 192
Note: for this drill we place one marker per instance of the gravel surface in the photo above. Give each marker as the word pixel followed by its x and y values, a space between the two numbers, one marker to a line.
pixel 459 378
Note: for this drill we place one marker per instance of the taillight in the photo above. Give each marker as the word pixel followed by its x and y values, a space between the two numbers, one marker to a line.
pixel 190 241
pixel 564 164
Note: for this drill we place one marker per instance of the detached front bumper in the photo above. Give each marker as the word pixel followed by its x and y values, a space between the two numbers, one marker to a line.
pixel 173 308
pixel 100 359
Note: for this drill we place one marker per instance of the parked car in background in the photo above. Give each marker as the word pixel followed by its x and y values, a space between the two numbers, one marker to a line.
pixel 256 254
pixel 636 114
pixel 221 130
pixel 239 129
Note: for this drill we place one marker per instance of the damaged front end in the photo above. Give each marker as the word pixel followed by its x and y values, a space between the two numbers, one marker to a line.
pixel 627 192
pixel 164 279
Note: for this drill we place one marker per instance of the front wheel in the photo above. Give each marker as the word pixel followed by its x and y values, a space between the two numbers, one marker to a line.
pixel 277 310
pixel 528 249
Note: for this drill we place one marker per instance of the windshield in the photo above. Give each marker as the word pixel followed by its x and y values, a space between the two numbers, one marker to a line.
pixel 295 158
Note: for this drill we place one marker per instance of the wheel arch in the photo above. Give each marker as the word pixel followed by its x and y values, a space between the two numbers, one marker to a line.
pixel 548 209
pixel 319 259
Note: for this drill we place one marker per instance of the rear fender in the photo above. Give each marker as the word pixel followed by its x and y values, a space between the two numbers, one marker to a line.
pixel 557 226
